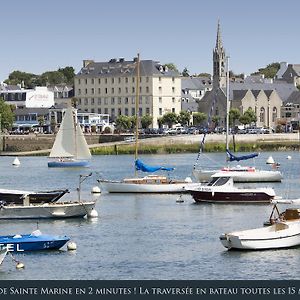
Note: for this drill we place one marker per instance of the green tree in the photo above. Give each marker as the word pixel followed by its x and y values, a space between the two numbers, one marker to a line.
pixel 53 77
pixel 18 77
pixel 6 114
pixel 185 72
pixel 269 71
pixel 170 119
pixel 184 118
pixel 248 117
pixel 204 75
pixel 234 115
pixel 68 73
pixel 146 121
pixel 216 120
pixel 198 118
pixel 123 122
pixel 171 66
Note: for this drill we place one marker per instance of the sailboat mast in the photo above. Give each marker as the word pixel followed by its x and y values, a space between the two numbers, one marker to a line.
pixel 137 99
pixel 74 115
pixel 227 104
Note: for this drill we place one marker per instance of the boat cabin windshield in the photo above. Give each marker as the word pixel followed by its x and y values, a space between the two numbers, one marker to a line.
pixel 218 181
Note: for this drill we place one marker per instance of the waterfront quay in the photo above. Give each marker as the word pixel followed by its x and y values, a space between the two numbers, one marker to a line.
pixel 41 144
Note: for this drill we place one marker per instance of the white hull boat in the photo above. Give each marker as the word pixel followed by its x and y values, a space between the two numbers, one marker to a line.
pixel 278 235
pixel 248 174
pixel 56 210
pixel 284 231
pixel 147 184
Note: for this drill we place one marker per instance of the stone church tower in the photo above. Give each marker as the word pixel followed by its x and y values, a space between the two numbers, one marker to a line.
pixel 219 63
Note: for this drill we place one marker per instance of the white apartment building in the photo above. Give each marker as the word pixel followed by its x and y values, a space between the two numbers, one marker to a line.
pixel 110 88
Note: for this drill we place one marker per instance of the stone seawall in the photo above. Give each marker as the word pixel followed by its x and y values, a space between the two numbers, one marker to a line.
pixel 43 143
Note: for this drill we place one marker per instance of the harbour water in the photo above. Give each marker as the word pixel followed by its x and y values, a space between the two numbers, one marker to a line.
pixel 147 236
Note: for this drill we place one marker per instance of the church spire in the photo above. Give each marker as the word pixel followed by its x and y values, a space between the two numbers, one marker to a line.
pixel 219 62
pixel 219 40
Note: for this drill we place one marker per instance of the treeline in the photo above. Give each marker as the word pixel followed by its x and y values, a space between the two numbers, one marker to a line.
pixel 30 80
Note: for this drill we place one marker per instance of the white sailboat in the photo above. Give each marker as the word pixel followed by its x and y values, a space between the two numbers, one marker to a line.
pixel 147 184
pixel 238 173
pixel 70 148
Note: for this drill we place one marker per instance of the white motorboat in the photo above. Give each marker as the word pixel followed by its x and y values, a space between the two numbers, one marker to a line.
pixel 221 189
pixel 283 233
pixel 240 174
pixel 147 184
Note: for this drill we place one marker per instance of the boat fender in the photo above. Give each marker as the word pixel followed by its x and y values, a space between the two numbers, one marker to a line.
pixel 92 214
pixel 71 246
pixel 20 265
pixel 213 193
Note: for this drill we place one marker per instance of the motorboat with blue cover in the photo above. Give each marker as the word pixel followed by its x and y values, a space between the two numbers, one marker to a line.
pixel 34 241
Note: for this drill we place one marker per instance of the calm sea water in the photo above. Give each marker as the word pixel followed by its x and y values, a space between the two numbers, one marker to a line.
pixel 147 236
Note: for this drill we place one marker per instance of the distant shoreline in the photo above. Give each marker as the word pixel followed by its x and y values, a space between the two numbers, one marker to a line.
pixel 164 144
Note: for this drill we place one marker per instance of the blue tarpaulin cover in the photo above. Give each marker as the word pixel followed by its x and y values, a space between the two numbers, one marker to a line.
pixel 139 165
pixel 232 157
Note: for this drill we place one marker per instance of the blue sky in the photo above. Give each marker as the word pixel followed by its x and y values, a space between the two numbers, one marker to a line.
pixel 38 36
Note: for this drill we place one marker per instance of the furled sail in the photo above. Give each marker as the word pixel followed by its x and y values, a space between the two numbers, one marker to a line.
pixel 232 157
pixel 139 165
pixel 70 141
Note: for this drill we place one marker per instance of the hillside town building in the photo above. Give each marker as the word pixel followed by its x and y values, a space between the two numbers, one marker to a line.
pixel 110 88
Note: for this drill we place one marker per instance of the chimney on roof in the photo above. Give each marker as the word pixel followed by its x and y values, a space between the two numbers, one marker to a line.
pixel 86 62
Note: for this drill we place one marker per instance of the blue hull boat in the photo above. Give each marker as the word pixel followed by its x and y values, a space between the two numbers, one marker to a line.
pixel 35 241
pixel 68 164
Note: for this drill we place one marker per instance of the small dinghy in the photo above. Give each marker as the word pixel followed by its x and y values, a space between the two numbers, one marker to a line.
pixel 283 232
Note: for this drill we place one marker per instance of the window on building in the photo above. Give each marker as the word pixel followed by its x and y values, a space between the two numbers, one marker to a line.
pixel 147 79
pixel 262 115
pixel 173 110
pixel 92 101
pixel 119 100
pixel 78 80
pixel 106 80
pixel 173 89
pixel 86 91
pixel 140 89
pixel 79 91
pixel 126 100
pixel 119 111
pixel 86 81
pixel 99 91
pixel 86 101
pixel 126 79
pixel 173 79
pixel 147 89
pixel 140 79
pixel 147 111
pixel 106 90
pixel 160 111
pixel 93 91
pixel 99 101
pixel 92 110
pixel 112 90
pixel 140 111
pixel 106 110
pixel 147 100
pixel 160 89
pixel 159 79
pixel 106 101
pixel 274 114
pixel 160 99
pixel 133 79
pixel 119 90
pixel 99 80
pixel 79 101
pixel 133 90
pixel 132 111
pixel 126 111
pixel 113 112
pixel 126 90
pixel 132 100
pixel 99 110
pixel 119 79
pixel 92 81
pixel 173 99
pixel 112 101
pixel 112 80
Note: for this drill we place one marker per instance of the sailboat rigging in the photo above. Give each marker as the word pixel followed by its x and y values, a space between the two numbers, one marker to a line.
pixel 239 173
pixel 147 184
pixel 70 148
